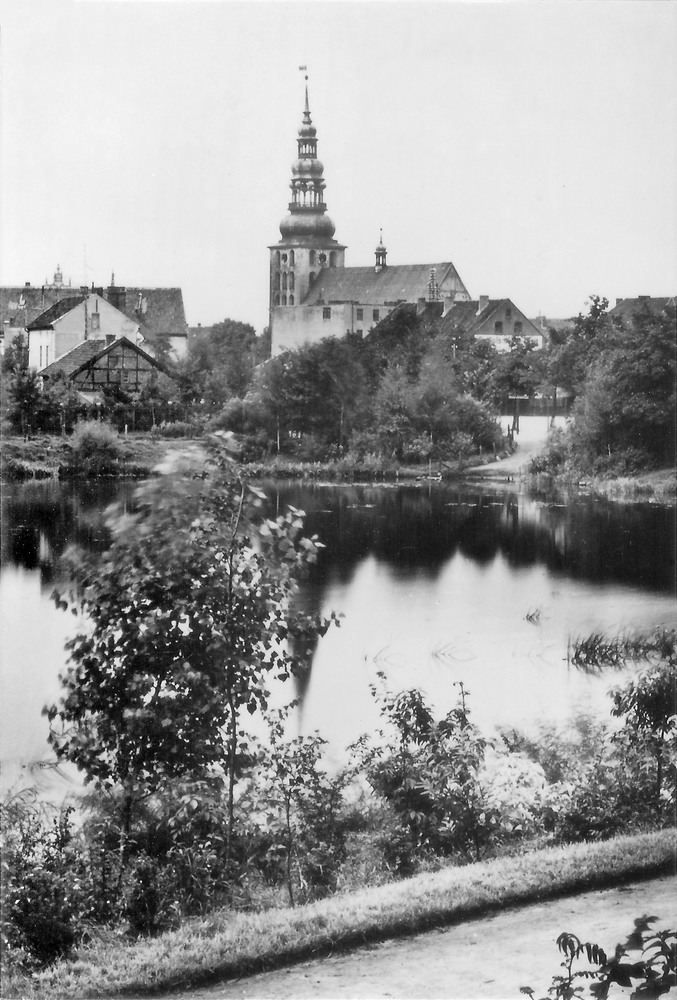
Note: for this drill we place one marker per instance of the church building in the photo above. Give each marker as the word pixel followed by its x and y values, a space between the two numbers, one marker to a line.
pixel 312 293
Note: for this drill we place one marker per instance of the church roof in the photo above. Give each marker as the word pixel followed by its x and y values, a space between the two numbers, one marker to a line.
pixel 396 283
pixel 45 319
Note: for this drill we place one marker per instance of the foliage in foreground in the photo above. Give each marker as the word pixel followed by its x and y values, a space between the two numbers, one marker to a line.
pixel 226 944
pixel 651 974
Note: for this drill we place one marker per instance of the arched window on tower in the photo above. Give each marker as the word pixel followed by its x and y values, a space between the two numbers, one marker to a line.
pixel 277 258
pixel 311 259
pixel 284 282
pixel 277 300
pixel 277 280
pixel 292 261
pixel 284 300
pixel 291 300
pixel 291 281
pixel 311 277
pixel 332 259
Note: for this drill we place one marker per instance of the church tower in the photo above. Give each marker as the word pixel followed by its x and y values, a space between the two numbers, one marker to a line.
pixel 307 246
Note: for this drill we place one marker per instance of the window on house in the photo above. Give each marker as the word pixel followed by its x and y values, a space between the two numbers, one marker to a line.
pixel 518 328
pixel 96 321
pixel 498 326
pixel 360 314
pixel 41 355
pixel 46 356
pixel 311 259
pixel 326 313
pixel 376 315
pixel 359 332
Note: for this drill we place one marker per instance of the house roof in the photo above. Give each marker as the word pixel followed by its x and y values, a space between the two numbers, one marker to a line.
pixel 45 319
pixel 626 308
pixel 396 283
pixel 71 362
pixel 467 316
pixel 84 354
pixel 159 310
pixel 21 304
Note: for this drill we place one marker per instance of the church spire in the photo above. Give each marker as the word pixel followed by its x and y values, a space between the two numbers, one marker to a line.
pixel 307 207
pixel 381 254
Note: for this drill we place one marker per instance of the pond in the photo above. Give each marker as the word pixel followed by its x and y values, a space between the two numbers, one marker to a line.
pixel 436 584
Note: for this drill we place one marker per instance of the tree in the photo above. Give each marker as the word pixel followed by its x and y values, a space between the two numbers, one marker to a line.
pixel 188 612
pixel 648 705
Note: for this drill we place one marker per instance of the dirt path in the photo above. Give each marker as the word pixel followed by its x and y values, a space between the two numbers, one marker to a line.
pixel 491 957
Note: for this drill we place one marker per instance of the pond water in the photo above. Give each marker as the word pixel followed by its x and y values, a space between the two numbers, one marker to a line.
pixel 437 585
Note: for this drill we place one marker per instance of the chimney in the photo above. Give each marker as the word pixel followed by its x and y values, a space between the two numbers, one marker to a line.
pixel 117 296
pixel 448 302
pixel 643 298
pixel 27 285
pixel 420 306
pixel 483 303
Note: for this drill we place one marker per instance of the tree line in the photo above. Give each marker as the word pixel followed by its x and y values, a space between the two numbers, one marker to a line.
pixel 412 391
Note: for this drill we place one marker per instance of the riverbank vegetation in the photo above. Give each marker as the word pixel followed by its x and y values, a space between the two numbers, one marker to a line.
pixel 412 393
pixel 208 812
pixel 623 379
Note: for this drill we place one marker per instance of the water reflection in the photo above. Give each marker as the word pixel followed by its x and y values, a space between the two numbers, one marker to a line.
pixel 436 584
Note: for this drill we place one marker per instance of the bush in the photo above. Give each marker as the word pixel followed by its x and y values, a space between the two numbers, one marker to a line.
pixel 95 448
pixel 178 429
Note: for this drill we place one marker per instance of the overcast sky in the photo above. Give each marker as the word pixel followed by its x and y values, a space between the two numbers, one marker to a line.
pixel 532 144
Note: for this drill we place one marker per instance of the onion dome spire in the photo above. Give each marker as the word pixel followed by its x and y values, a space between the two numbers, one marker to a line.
pixel 308 210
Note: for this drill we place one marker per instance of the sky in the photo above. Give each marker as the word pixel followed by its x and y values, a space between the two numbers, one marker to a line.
pixel 532 144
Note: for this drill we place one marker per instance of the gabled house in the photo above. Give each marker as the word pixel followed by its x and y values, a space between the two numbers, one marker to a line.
pixel 71 321
pixel 94 365
pixel 494 320
pixel 625 309
pixel 158 312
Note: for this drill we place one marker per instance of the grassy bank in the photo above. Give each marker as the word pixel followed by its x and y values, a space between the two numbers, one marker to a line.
pixel 659 486
pixel 228 944
pixel 48 456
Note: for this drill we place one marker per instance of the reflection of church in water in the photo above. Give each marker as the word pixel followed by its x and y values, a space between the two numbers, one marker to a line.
pixel 312 293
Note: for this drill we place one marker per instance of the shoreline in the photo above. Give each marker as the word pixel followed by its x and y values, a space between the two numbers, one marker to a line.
pixel 46 457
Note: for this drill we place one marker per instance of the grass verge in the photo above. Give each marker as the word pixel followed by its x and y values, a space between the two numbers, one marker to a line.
pixel 226 944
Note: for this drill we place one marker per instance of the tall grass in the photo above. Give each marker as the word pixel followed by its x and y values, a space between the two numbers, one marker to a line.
pixel 226 944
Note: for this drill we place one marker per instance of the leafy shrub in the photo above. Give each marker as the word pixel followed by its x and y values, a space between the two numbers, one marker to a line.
pixel 178 429
pixel 38 905
pixel 95 448
pixel 652 975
